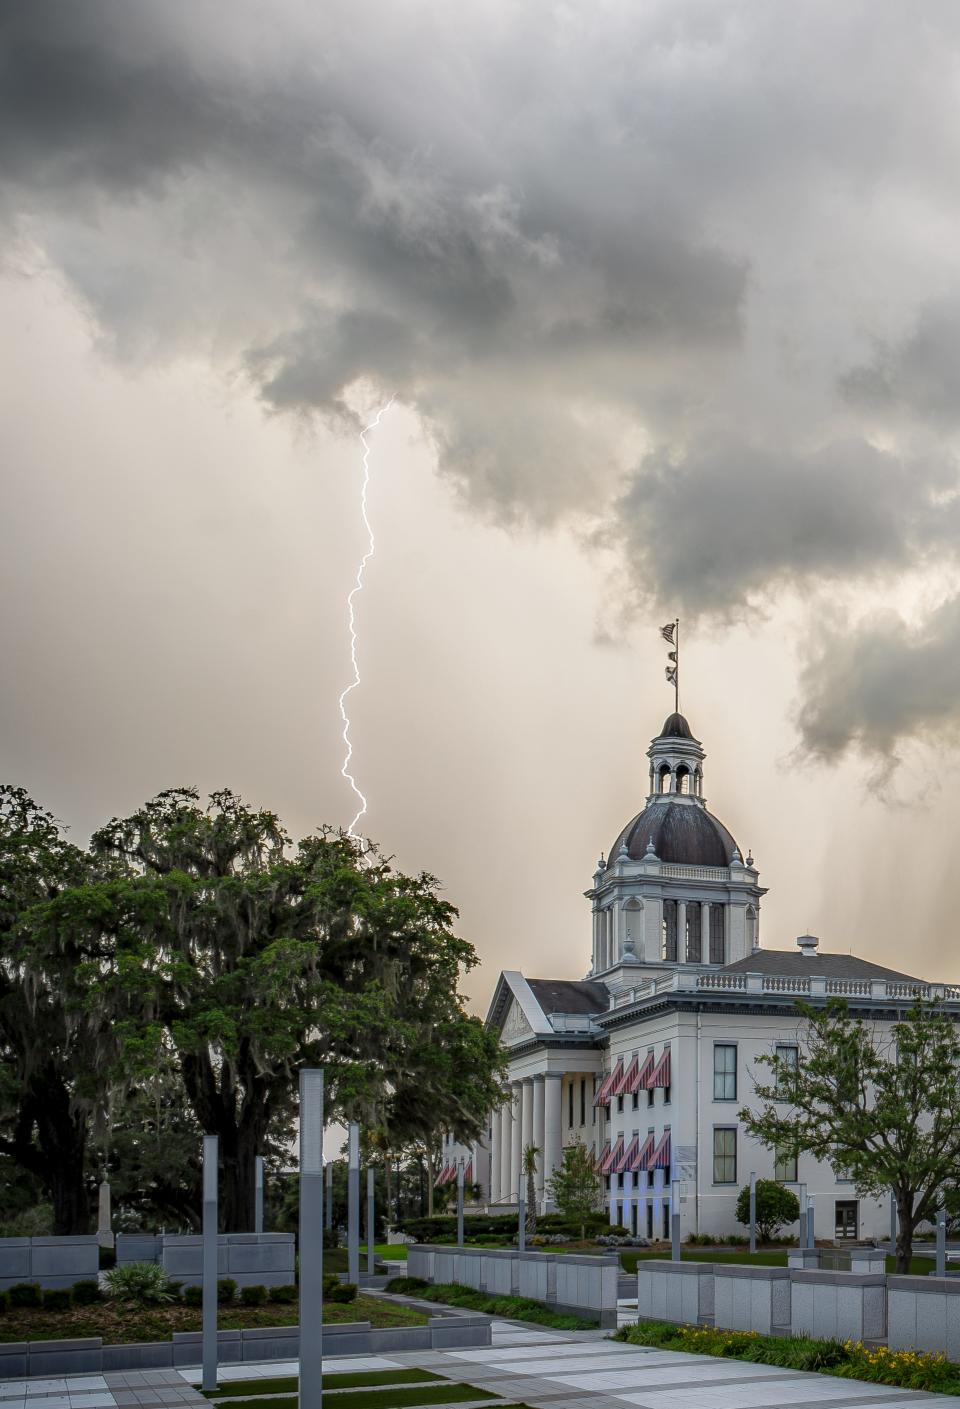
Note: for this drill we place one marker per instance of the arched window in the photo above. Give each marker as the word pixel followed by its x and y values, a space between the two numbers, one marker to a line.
pixel 751 927
pixel 664 778
pixel 717 945
pixel 693 945
pixel 683 779
pixel 669 928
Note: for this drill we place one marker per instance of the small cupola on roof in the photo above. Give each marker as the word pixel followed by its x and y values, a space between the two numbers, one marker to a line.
pixel 676 760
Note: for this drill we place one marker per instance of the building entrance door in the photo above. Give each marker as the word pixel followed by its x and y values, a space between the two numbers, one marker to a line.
pixel 846 1219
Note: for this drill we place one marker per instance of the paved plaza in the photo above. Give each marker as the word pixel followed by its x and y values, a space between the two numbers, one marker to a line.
pixel 552 1369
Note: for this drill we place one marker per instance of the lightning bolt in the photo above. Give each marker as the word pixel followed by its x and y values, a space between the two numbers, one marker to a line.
pixel 352 622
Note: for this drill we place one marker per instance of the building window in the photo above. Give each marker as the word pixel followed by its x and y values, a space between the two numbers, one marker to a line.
pixel 717 946
pixel 693 947
pixel 636 1100
pixel 583 1100
pixel 785 1167
pixel 670 931
pixel 724 1155
pixel 619 1104
pixel 666 1095
pixel 724 1071
pixel 570 1104
pixel 788 1059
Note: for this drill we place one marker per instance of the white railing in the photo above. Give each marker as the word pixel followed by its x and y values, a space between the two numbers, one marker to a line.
pixel 736 981
pixel 693 873
pixel 775 983
pixel 849 987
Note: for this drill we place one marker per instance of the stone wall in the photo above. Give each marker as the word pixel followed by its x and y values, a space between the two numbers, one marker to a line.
pixel 91 1356
pixel 251 1259
pixel 53 1262
pixel 585 1286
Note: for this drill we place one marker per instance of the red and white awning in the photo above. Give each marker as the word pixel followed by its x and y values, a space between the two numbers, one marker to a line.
pixel 661 1077
pixel 643 1078
pixel 602 1098
pixel 626 1076
pixel 612 1156
pixel 661 1155
pixel 642 1160
pixel 624 1163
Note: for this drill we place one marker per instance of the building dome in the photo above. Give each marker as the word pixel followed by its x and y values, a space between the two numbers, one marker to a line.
pixel 682 834
pixel 675 727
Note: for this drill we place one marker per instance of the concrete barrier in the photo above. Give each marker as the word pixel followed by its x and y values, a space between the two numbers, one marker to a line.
pixel 537 1277
pixel 19 1360
pixel 676 1291
pixel 923 1313
pixel 589 1284
pixel 53 1262
pixel 838 1305
pixel 251 1259
pixel 137 1247
pixel 751 1298
pixel 500 1278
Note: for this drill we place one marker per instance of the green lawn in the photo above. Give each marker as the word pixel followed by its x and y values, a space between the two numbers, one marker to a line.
pixel 287 1384
pixel 513 1308
pixel 381 1398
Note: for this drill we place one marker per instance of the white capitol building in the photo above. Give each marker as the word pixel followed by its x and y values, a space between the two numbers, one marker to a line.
pixel 650 1057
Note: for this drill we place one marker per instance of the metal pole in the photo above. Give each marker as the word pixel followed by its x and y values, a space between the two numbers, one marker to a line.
pixel 803 1216
pixel 675 1220
pixel 941 1241
pixel 460 1204
pixel 311 1238
pixel 811 1227
pixel 353 1203
pixel 370 1198
pixel 258 1194
pixel 329 1218
pixel 211 1145
pixel 753 1212
pixel 522 1219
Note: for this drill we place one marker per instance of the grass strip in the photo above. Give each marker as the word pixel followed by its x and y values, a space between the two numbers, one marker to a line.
pixel 512 1308
pixel 288 1384
pixel 383 1398
pixel 848 1360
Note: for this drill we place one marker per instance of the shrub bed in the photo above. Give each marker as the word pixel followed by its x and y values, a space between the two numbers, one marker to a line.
pixel 905 1369
pixel 443 1227
pixel 514 1308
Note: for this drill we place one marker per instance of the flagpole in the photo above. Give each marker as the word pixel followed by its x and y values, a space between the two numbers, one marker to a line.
pixel 676 678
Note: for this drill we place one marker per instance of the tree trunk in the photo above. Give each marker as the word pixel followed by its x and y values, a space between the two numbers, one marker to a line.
pixel 62 1138
pixel 905 1230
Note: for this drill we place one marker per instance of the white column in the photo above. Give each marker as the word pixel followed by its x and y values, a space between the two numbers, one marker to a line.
pixel 681 931
pixel 526 1123
pixel 551 1123
pixel 493 1190
pixel 516 1133
pixel 506 1117
pixel 538 1132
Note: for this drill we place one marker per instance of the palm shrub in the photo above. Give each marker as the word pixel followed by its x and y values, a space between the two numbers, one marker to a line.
pixel 530 1156
pixel 142 1282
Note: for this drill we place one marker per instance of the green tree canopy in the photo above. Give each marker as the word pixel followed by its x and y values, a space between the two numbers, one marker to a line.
pixel 881 1108
pixel 776 1207
pixel 251 956
pixel 575 1185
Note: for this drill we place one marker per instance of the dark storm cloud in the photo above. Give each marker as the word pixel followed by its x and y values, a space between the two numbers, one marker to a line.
pixel 560 233
pixel 731 520
pixel 918 377
pixel 881 683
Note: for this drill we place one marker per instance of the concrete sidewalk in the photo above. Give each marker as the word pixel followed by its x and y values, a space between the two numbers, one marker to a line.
pixel 540 1368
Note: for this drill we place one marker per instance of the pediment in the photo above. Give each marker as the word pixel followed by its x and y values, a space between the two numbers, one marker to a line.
pixel 515 1025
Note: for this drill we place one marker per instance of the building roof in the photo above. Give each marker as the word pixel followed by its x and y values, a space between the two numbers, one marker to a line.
pixel 556 995
pixel 682 833
pixel 790 961
pixel 675 726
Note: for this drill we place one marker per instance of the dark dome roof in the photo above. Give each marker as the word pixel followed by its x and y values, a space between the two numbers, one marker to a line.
pixel 682 832
pixel 675 727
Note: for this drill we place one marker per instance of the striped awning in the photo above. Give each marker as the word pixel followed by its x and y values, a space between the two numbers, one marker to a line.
pixel 661 1077
pixel 642 1161
pixel 643 1078
pixel 660 1158
pixel 442 1177
pixel 468 1173
pixel 625 1162
pixel 602 1098
pixel 625 1078
pixel 598 1159
pixel 612 1156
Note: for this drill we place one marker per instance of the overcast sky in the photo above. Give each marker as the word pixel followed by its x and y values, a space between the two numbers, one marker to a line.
pixel 668 299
